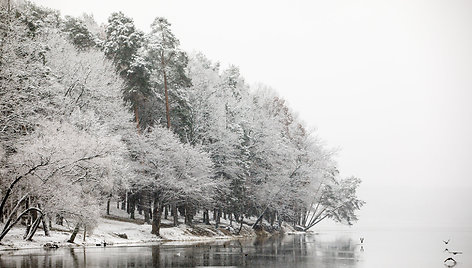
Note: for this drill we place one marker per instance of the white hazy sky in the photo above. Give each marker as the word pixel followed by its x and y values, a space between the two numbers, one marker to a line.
pixel 388 82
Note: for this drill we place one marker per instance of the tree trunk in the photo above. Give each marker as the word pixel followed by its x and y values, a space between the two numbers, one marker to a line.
pixel 108 205
pixel 149 207
pixel 46 226
pixel 206 217
pixel 189 213
pixel 258 220
pixel 123 204
pixel 127 203
pixel 174 212
pixel 218 216
pixel 260 217
pixel 131 209
pixel 155 224
pixel 59 220
pixel 185 214
pixel 9 224
pixel 136 117
pixel 140 204
pixel 240 224
pixel 166 211
pixel 10 188
pixel 74 233
pixel 34 228
pixel 28 228
pixel 151 212
pixel 166 93
pixel 146 216
pixel 156 220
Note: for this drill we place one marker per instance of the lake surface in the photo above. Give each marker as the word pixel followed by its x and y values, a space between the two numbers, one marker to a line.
pixel 381 248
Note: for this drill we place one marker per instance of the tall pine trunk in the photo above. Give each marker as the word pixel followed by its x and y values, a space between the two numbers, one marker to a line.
pixel 166 93
pixel 136 117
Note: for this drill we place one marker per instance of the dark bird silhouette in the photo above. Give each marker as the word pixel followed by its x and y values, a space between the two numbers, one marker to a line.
pixel 453 252
pixel 362 240
pixel 450 260
pixel 447 242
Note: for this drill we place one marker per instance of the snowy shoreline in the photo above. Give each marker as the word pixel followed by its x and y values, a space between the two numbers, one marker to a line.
pixel 109 231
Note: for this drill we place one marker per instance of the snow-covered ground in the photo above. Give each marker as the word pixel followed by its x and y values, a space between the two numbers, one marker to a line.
pixel 109 230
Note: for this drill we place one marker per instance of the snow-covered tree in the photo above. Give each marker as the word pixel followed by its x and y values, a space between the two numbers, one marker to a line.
pixel 123 40
pixel 76 163
pixel 78 33
pixel 218 110
pixel 23 76
pixel 123 44
pixel 168 65
pixel 69 104
pixel 174 172
pixel 67 89
pixel 338 201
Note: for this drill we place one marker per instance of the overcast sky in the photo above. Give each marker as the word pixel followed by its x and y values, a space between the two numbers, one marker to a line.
pixel 389 83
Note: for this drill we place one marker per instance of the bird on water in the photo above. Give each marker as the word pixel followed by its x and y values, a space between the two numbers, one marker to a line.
pixel 446 241
pixel 453 252
pixel 450 262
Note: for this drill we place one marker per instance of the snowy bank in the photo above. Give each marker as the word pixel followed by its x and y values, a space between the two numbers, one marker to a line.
pixel 121 233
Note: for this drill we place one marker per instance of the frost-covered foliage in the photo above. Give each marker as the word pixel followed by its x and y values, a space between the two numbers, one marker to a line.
pixel 168 78
pixel 70 91
pixel 78 33
pixel 62 122
pixel 80 161
pixel 273 165
pixel 86 80
pixel 179 171
pixel 123 44
pixel 123 40
pixel 24 95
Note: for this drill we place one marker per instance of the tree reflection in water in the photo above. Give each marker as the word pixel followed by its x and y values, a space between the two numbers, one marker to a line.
pixel 278 251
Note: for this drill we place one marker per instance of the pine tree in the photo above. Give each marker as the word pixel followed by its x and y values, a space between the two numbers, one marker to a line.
pixel 78 33
pixel 122 45
pixel 168 65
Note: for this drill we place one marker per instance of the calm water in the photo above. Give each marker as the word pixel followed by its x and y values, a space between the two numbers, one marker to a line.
pixel 383 248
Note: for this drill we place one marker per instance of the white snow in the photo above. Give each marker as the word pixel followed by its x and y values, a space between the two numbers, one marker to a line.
pixel 108 230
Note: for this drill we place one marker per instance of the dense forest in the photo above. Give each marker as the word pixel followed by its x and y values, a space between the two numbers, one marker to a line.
pixel 93 116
